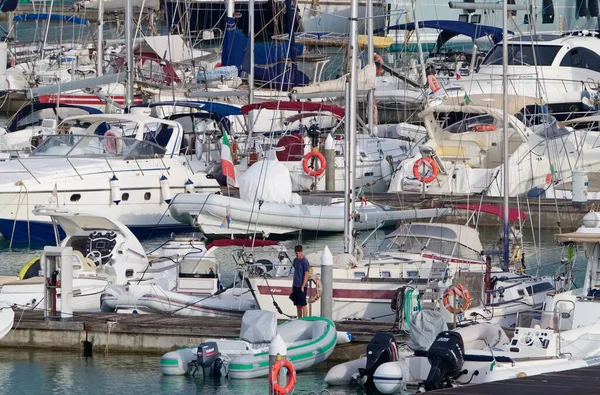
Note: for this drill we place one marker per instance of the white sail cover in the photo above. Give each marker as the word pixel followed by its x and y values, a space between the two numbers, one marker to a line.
pixel 267 180
pixel 366 81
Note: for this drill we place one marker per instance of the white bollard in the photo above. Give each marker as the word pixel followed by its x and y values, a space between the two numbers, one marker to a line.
pixel 327 283
pixel 277 351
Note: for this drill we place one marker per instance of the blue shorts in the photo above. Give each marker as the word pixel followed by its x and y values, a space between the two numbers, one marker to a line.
pixel 298 296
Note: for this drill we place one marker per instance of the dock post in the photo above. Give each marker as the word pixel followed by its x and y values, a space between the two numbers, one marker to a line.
pixel 277 352
pixel 327 283
pixel 330 159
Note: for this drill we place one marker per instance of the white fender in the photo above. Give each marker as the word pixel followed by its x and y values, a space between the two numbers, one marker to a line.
pixel 165 189
pixel 115 190
pixel 389 377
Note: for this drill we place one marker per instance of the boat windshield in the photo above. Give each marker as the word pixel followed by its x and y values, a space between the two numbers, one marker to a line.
pixel 436 246
pixel 480 123
pixel 523 55
pixel 73 145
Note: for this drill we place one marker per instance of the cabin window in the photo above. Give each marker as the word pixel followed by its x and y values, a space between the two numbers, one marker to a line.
pixel 412 273
pixel 442 247
pixel 526 19
pixel 463 18
pixel 539 288
pixel 476 18
pixel 125 197
pixel 464 252
pixel 129 273
pixel 359 274
pixel 75 197
pixel 522 55
pixel 147 196
pixel 581 58
pixel 386 274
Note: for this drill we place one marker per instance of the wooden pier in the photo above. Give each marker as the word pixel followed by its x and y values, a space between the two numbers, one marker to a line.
pixel 152 333
pixel 577 381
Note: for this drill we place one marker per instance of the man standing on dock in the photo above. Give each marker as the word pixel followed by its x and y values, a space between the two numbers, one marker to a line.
pixel 301 274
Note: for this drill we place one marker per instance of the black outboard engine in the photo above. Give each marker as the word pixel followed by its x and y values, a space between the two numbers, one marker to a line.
pixel 446 356
pixel 381 349
pixel 210 360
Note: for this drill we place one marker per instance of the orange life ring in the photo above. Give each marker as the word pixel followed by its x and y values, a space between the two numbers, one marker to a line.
pixel 113 144
pixel 458 291
pixel 428 162
pixel 318 287
pixel 483 128
pixel 314 172
pixel 291 377
pixel 433 83
pixel 378 62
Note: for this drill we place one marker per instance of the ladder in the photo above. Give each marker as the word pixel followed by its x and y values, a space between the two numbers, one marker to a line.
pixel 431 297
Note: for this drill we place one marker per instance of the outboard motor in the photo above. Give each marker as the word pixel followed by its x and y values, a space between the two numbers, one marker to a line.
pixel 446 356
pixel 210 360
pixel 381 349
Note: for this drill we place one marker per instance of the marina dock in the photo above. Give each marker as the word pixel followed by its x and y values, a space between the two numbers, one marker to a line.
pixel 151 333
pixel 577 381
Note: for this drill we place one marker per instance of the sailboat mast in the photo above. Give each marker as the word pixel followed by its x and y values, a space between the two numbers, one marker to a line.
pixel 100 45
pixel 371 57
pixel 251 46
pixel 129 53
pixel 505 179
pixel 351 120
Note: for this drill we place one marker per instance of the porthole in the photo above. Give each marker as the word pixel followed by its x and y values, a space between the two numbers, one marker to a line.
pixel 147 196
pixel 75 197
pixel 125 197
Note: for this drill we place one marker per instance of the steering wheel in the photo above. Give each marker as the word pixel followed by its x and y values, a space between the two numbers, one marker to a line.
pixel 527 338
pixel 95 256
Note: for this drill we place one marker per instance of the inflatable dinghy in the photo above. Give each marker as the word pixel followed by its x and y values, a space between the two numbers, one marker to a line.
pixel 309 341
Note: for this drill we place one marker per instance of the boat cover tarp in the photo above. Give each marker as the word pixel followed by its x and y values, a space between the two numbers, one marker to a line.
pixel 366 81
pixel 513 213
pixel 425 326
pixel 294 106
pixel 29 109
pixel 264 54
pixel 9 5
pixel 267 180
pixel 258 326
pixel 454 28
pixel 241 243
pixel 221 109
pixel 51 17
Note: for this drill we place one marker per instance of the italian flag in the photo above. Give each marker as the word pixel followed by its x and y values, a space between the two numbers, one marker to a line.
pixel 227 160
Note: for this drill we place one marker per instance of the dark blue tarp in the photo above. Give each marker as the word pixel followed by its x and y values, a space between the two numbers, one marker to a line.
pixel 52 17
pixel 221 109
pixel 29 109
pixel 472 30
pixel 8 5
pixel 264 54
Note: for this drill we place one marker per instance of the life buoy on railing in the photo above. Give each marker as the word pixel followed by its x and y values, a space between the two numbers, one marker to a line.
pixel 433 83
pixel 314 172
pixel 483 128
pixel 275 373
pixel 112 142
pixel 317 286
pixel 378 62
pixel 431 164
pixel 460 292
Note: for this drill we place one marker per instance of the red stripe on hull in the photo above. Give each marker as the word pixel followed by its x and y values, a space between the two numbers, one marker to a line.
pixel 337 293
pixel 84 100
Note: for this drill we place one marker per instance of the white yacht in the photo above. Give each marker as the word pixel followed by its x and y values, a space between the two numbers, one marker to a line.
pixel 558 68
pixel 125 166
pixel 464 152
